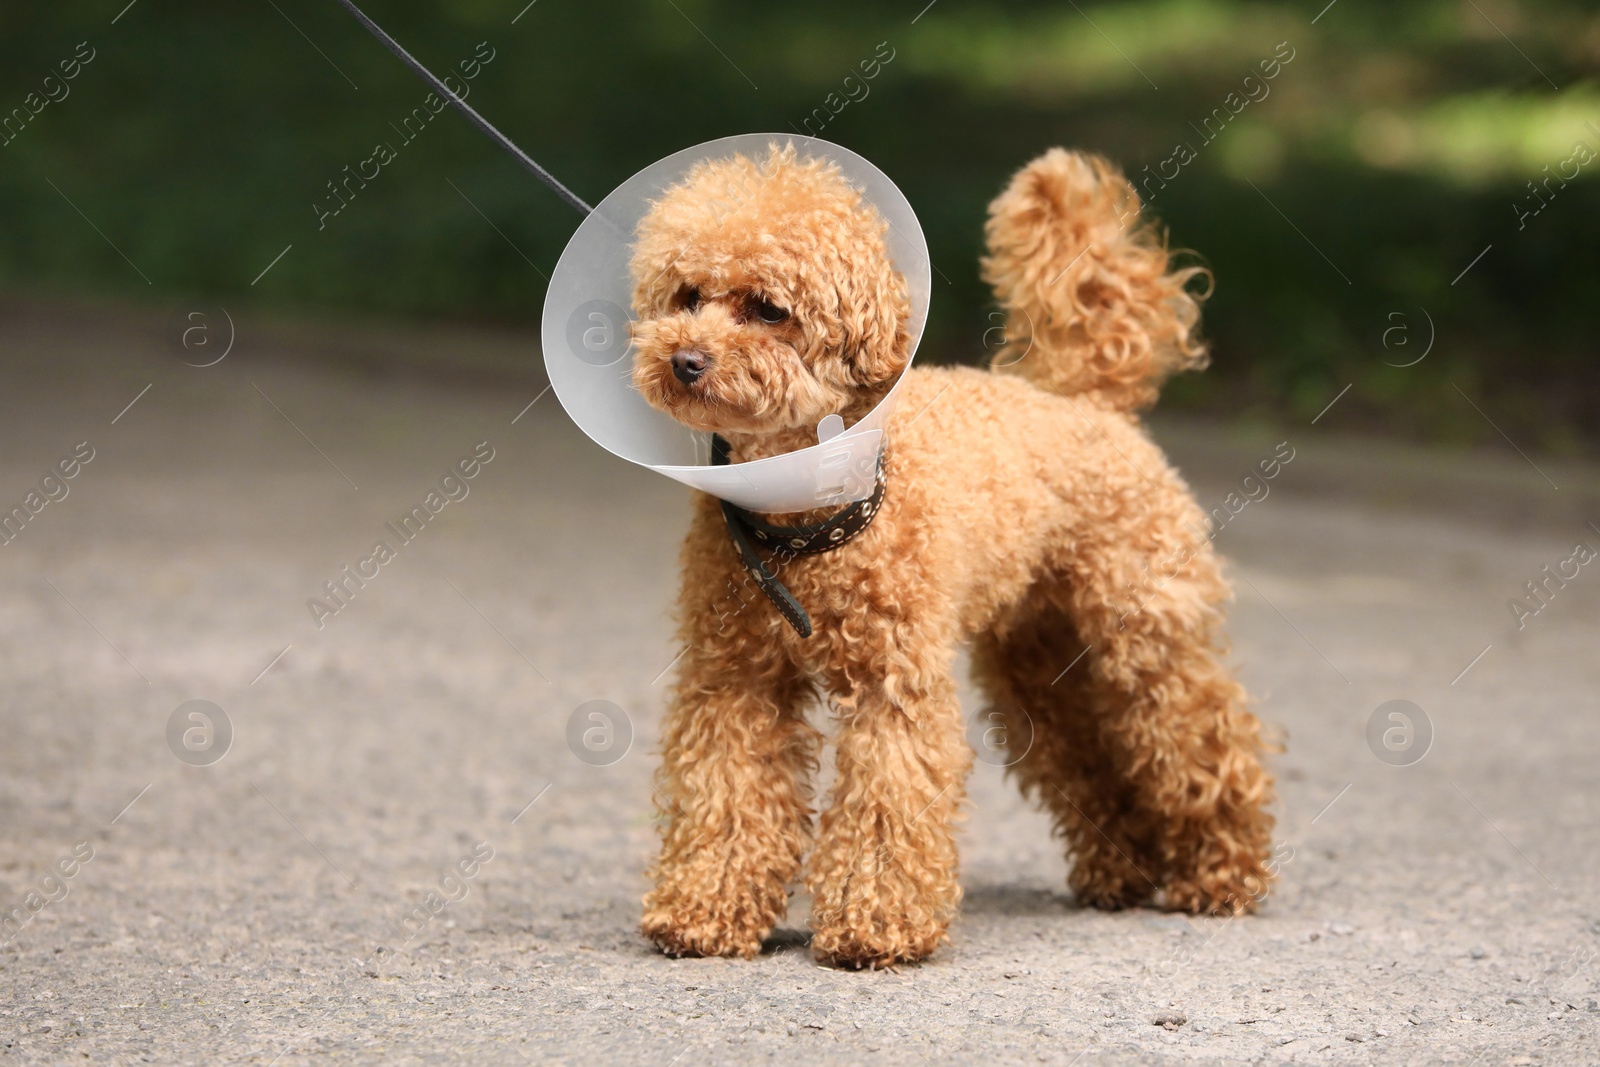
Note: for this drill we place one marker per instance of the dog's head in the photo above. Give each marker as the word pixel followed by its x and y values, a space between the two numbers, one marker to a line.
pixel 766 298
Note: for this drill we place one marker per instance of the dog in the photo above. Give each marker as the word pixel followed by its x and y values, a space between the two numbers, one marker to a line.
pixel 1025 513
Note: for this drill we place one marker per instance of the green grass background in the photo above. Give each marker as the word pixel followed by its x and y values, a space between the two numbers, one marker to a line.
pixel 1389 153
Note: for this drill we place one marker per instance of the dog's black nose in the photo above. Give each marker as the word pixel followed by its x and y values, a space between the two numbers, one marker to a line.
pixel 688 364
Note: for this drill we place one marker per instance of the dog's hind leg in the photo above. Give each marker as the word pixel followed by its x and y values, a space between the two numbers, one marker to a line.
pixel 1173 718
pixel 1036 673
pixel 1142 749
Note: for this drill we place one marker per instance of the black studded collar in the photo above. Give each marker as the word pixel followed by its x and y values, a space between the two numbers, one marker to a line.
pixel 785 542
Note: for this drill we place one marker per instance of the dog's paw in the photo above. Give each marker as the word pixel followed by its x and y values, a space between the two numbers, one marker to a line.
pixel 684 927
pixel 1111 886
pixel 1113 898
pixel 678 939
pixel 1215 896
pixel 876 908
pixel 1228 877
pixel 869 946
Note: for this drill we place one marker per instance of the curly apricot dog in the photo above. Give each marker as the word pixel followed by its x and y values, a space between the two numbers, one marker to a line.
pixel 1025 511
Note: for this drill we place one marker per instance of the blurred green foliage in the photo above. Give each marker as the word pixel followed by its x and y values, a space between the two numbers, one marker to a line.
pixel 1337 208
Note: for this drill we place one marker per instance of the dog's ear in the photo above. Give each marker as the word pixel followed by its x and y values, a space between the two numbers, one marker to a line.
pixel 875 313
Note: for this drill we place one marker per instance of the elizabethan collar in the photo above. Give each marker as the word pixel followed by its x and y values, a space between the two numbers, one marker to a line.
pixel 587 350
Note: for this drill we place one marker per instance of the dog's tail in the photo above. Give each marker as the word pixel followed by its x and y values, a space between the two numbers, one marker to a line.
pixel 1092 303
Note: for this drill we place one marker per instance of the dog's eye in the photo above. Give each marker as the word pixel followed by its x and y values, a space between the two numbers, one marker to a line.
pixel 689 299
pixel 769 312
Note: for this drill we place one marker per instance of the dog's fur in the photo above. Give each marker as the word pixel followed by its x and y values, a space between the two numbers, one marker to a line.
pixel 1027 512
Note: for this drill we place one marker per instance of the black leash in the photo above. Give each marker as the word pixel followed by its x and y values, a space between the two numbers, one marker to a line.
pixel 483 124
pixel 785 541
pixel 747 528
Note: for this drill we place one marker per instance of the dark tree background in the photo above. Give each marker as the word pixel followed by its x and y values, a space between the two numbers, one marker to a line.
pixel 1344 198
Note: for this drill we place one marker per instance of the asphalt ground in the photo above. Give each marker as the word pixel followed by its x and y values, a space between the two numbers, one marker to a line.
pixel 264 897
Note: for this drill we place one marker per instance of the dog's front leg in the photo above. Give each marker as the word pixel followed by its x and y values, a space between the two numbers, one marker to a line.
pixel 883 876
pixel 733 789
